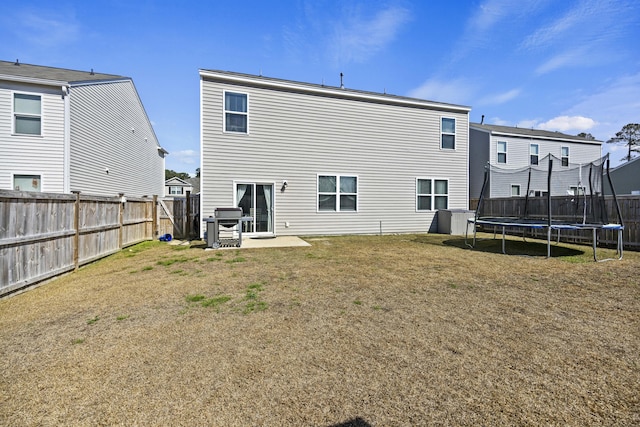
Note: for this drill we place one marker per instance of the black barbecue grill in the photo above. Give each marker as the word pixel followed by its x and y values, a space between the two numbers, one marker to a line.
pixel 227 218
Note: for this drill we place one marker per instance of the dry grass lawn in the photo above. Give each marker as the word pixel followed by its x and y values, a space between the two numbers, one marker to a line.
pixel 353 331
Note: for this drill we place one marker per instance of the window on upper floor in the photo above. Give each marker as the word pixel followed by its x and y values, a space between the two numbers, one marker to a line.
pixel 502 152
pixel 564 156
pixel 27 183
pixel 432 194
pixel 176 190
pixel 236 112
pixel 534 152
pixel 448 133
pixel 27 114
pixel 337 193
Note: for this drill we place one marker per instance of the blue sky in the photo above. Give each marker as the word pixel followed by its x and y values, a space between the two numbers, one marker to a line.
pixel 571 66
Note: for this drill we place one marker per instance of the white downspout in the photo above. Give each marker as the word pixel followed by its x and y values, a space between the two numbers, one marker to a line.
pixel 67 141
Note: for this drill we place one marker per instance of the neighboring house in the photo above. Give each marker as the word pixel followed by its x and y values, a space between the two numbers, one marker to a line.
pixel 64 130
pixel 176 187
pixel 309 159
pixel 517 148
pixel 625 178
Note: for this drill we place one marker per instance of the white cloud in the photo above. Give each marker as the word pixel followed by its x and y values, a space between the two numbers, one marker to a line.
pixel 188 157
pixel 54 30
pixel 457 91
pixel 568 123
pixel 356 38
pixel 499 98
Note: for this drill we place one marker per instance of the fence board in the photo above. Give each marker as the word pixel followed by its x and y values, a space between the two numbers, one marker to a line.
pixel 40 238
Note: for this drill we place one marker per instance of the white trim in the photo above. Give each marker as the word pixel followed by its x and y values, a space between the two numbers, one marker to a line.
pixel 66 162
pixel 519 190
pixel 338 193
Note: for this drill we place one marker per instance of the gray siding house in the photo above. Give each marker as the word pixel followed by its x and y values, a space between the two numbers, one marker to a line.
pixel 625 178
pixel 308 159
pixel 510 147
pixel 65 130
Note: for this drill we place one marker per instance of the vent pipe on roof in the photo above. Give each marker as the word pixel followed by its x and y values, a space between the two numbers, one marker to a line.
pixel 341 84
pixel 92 73
pixel 482 120
pixel 16 63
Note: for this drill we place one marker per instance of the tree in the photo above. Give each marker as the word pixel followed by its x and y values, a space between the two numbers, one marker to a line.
pixel 586 136
pixel 629 136
pixel 168 173
pixel 197 172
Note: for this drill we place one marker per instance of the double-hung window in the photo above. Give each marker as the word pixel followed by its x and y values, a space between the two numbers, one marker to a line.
pixel 27 114
pixel 534 152
pixel 448 133
pixel 432 194
pixel 175 190
pixel 236 112
pixel 337 193
pixel 564 156
pixel 502 152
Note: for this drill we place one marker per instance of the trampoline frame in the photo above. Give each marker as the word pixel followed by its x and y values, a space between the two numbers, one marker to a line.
pixel 547 223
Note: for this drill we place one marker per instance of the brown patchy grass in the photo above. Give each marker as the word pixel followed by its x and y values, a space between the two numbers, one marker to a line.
pixel 371 330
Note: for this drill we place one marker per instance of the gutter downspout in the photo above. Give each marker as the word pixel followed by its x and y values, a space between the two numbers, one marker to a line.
pixel 66 163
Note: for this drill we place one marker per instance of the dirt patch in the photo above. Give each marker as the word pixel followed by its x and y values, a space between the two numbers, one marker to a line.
pixel 369 330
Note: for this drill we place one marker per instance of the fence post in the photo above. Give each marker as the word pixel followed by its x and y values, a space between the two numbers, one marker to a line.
pixel 187 220
pixel 121 195
pixel 154 213
pixel 76 226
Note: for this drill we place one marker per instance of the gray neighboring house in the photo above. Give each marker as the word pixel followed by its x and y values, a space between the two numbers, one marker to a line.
pixel 310 159
pixel 515 148
pixel 176 187
pixel 66 130
pixel 626 178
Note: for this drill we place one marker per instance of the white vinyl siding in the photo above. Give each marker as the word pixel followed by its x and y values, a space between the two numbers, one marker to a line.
pixel 385 146
pixel 111 131
pixel 33 154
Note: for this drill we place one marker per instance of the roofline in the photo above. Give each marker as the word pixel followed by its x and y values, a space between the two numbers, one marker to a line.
pixel 333 91
pixel 33 80
pixel 522 135
pixel 94 82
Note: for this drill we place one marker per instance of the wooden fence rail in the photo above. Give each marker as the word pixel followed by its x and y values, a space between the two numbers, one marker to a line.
pixel 629 210
pixel 43 235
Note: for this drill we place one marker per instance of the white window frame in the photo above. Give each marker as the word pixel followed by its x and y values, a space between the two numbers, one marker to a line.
pixel 173 188
pixel 337 193
pixel 563 157
pixel 501 152
pixel 443 133
pixel 431 195
pixel 537 154
pixel 576 190
pixel 239 113
pixel 15 114
pixel 33 175
pixel 513 187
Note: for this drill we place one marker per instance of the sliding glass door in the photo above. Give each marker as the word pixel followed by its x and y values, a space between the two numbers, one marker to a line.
pixel 256 201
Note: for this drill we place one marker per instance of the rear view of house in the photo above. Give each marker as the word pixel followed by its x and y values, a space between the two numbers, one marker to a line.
pixel 65 130
pixel 311 159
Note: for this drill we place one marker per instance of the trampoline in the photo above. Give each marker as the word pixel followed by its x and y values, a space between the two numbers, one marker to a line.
pixel 581 209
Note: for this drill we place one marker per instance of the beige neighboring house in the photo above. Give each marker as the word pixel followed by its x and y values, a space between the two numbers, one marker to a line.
pixel 176 187
pixel 66 130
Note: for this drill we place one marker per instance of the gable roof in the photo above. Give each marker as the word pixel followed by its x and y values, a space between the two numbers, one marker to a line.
pixel 177 181
pixel 330 91
pixel 27 72
pixel 531 133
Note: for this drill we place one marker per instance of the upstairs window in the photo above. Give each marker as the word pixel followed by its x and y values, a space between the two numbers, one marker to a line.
pixel 502 152
pixel 337 193
pixel 448 133
pixel 235 112
pixel 534 151
pixel 564 156
pixel 432 194
pixel 27 114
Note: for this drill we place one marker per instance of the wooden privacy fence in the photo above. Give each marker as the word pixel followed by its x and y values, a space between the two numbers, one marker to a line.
pixel 43 235
pixel 560 206
pixel 180 216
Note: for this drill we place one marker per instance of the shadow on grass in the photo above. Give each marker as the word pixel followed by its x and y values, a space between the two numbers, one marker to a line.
pixel 356 422
pixel 520 247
